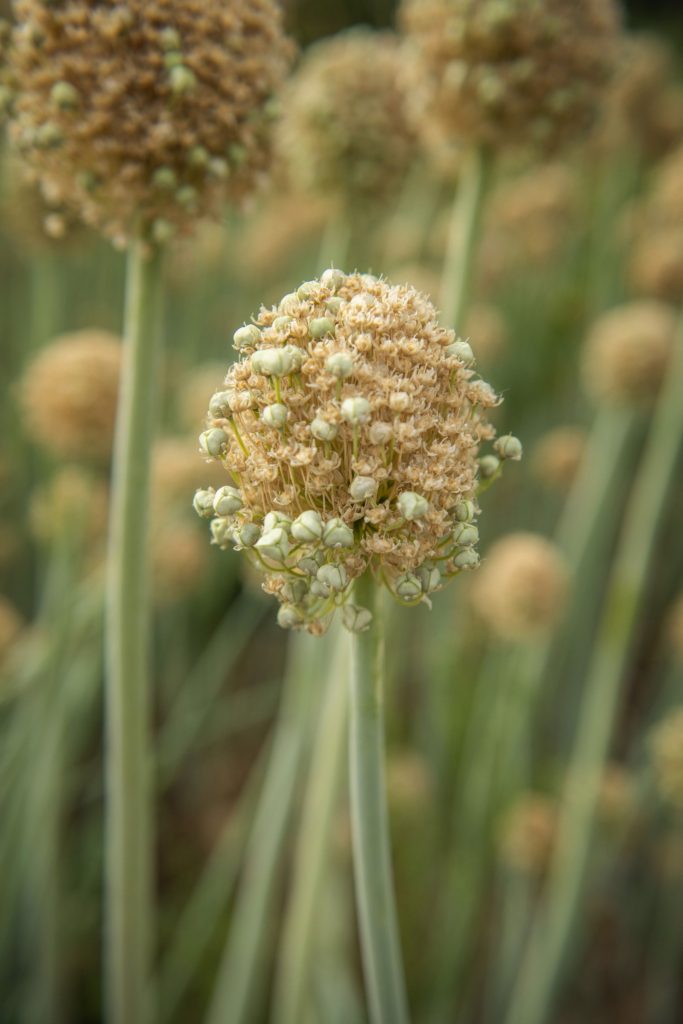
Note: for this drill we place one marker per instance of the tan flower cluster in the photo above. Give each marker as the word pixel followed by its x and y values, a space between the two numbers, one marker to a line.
pixel 72 503
pixel 667 757
pixel 34 224
pixel 522 587
pixel 627 352
pixel 350 427
pixel 509 73
pixel 656 266
pixel 557 457
pixel 146 114
pixel 644 107
pixel 11 626
pixel 528 834
pixel 344 131
pixel 69 392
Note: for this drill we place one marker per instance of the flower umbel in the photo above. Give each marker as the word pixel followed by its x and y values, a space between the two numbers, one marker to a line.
pixel 376 464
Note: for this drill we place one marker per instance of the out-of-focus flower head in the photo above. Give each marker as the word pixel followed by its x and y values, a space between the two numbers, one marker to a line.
pixel 521 589
pixel 557 456
pixel 666 746
pixel 528 832
pixel 146 115
pixel 351 428
pixel 68 395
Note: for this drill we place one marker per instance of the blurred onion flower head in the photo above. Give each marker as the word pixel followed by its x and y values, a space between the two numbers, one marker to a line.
pixel 69 392
pixel 528 834
pixel 557 457
pixel 521 589
pixel 148 114
pixel 350 427
pixel 73 502
pixel 510 73
pixel 344 130
pixel 656 266
pixel 666 748
pixel 627 352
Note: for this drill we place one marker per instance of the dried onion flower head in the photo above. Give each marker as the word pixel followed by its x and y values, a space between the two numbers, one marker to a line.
pixel 557 457
pixel 147 113
pixel 666 747
pixel 510 73
pixel 627 352
pixel 71 503
pixel 11 627
pixel 344 130
pixel 350 428
pixel 522 587
pixel 69 392
pixel 528 833
pixel 656 266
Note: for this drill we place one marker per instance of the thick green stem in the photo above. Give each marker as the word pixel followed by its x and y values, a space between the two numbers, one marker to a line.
pixel 128 891
pixel 463 236
pixel 551 937
pixel 294 969
pixel 369 820
pixel 240 982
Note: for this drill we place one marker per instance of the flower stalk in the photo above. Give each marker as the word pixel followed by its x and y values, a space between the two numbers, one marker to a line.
pixel 128 893
pixel 369 819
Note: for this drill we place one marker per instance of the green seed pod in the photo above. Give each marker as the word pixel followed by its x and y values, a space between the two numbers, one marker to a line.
pixel 333 576
pixel 508 447
pixel 281 323
pixel 275 415
pixel 356 619
pixel 333 279
pixel 308 527
pixel 408 587
pixel 340 365
pixel 246 337
pixel 219 406
pixel 465 511
pixel 272 362
pixel 249 534
pixel 273 519
pixel 355 410
pixel 465 535
pixel 462 351
pixel 412 505
pixel 320 327
pixel 290 617
pixel 183 80
pixel 323 430
pixel 363 488
pixel 337 534
pixel 274 545
pixel 429 577
pixel 466 559
pixel 203 503
pixel 213 442
pixel 488 466
pixel 227 500
pixel 222 532
pixel 65 96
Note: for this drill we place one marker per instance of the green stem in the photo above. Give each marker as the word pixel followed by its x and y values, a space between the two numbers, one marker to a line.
pixel 552 934
pixel 294 969
pixel 463 236
pixel 129 861
pixel 239 984
pixel 369 821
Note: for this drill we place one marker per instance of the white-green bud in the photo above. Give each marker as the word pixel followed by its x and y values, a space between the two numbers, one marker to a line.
pixel 307 527
pixel 183 80
pixel 249 534
pixel 429 577
pixel 465 535
pixel 355 410
pixel 165 178
pixel 465 511
pixel 462 351
pixel 323 430
pixel 227 501
pixel 355 618
pixel 333 576
pixel 219 406
pixel 508 447
pixel 412 505
pixel 319 589
pixel 219 168
pixel 198 156
pixel 222 532
pixel 307 289
pixel 273 519
pixel 320 327
pixel 337 534
pixel 290 617
pixel 246 336
pixel 290 302
pixel 272 362
pixel 203 502
pixel 213 441
pixel 333 279
pixel 334 304
pixel 340 365
pixel 295 591
pixel 65 95
pixel 399 401
pixel 281 323
pixel 170 39
pixel 380 433
pixel 296 355
pixel 274 544
pixel 363 488
pixel 275 415
pixel 311 563
pixel 466 559
pixel 408 587
pixel 488 466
